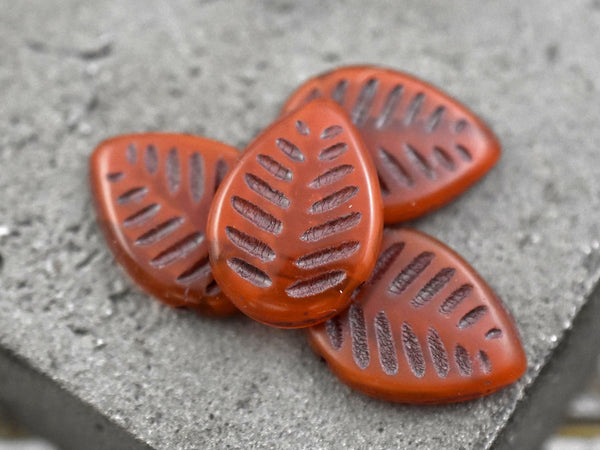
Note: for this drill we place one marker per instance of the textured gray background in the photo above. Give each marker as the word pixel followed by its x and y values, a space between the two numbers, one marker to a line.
pixel 73 73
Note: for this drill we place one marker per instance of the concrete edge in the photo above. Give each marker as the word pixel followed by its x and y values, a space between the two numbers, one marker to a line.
pixel 45 407
pixel 568 368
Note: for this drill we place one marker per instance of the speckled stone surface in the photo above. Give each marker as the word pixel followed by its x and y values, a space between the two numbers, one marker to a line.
pixel 75 72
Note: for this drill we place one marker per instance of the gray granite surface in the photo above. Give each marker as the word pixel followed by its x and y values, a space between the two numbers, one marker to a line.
pixel 73 73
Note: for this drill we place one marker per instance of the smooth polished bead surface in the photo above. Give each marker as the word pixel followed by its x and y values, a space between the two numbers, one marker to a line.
pixel 296 225
pixel 425 328
pixel 427 147
pixel 152 194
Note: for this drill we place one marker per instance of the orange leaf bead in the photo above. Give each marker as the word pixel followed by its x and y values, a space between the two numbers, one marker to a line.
pixel 425 328
pixel 296 225
pixel 427 147
pixel 152 194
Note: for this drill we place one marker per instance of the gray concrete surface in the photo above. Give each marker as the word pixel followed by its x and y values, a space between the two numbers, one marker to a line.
pixel 75 72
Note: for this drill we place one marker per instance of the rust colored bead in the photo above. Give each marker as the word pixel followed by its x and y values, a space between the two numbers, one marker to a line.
pixel 425 328
pixel 152 194
pixel 296 226
pixel 427 147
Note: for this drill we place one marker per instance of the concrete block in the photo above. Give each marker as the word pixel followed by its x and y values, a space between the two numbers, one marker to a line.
pixel 87 358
